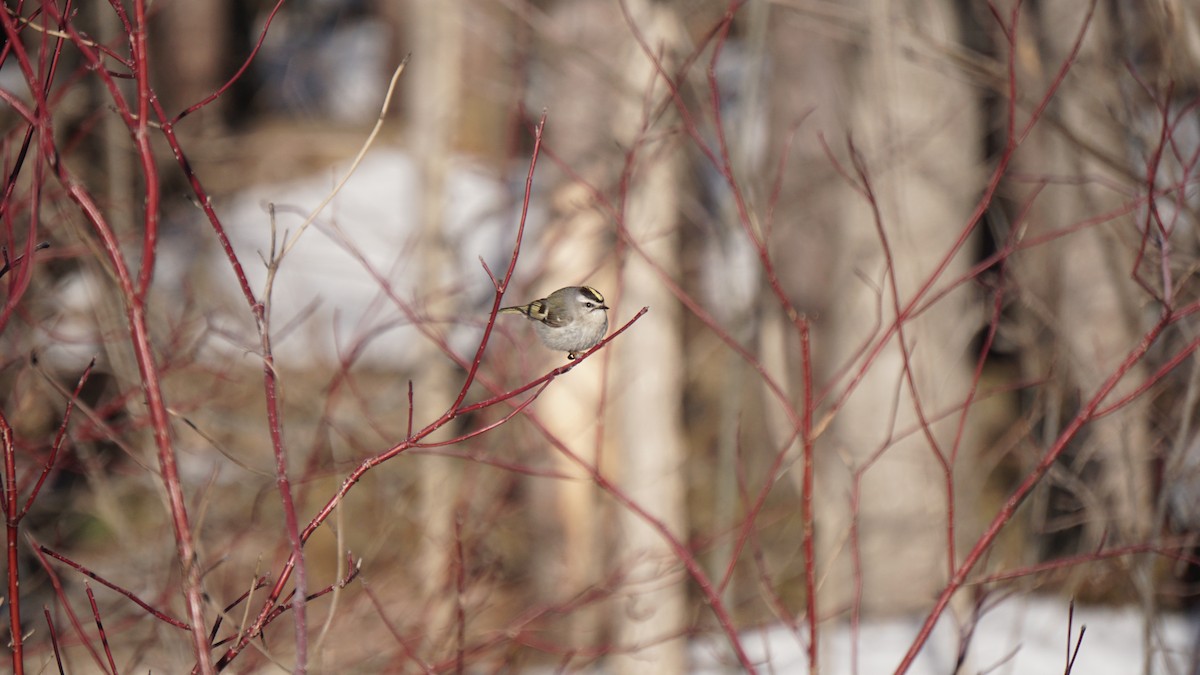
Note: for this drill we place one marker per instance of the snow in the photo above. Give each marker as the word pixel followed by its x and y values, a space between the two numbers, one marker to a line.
pixel 1018 636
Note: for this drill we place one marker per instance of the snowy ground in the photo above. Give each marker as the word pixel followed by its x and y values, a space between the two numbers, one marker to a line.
pixel 1019 636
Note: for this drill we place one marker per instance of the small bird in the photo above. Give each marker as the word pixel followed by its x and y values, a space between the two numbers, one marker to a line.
pixel 572 319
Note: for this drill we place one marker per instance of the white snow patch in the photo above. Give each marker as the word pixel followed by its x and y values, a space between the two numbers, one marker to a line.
pixel 1018 636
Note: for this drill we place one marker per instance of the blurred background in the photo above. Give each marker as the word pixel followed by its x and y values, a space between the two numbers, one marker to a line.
pixel 919 278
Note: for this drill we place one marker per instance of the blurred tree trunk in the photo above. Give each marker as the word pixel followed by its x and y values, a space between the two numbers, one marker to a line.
pixel 915 125
pixel 576 92
pixel 435 99
pixel 590 99
pixel 193 41
pixel 649 359
pixel 459 92
pixel 1083 310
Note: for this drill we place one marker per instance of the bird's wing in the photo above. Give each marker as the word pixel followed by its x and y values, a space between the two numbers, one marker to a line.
pixel 547 316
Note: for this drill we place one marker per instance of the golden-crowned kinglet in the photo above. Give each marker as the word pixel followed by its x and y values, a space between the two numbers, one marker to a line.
pixel 571 319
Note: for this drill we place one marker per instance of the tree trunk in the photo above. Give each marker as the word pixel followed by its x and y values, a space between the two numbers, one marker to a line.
pixel 1084 312
pixel 649 362
pixel 914 126
pixel 435 99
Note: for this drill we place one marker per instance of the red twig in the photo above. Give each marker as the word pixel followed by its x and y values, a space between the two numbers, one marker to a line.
pixel 290 603
pixel 502 286
pixel 400 639
pixel 1152 225
pixel 808 484
pixel 279 450
pixel 259 582
pixel 54 640
pixel 161 616
pixel 76 625
pixel 112 664
pixel 910 380
pixel 460 588
pixel 58 441
pixel 11 523
pixel 262 35
pixel 1164 550
pixel 1072 654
